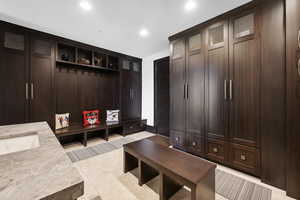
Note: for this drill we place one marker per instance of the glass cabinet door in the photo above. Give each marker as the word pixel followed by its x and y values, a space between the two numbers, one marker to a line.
pixel 244 26
pixel 195 42
pixel 216 36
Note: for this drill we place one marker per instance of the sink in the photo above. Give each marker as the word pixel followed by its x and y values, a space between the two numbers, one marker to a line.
pixel 22 142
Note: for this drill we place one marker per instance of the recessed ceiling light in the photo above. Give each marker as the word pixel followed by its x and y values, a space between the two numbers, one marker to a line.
pixel 144 32
pixel 85 5
pixel 190 5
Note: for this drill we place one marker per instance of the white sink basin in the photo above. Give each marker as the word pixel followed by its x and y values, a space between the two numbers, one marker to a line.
pixel 19 143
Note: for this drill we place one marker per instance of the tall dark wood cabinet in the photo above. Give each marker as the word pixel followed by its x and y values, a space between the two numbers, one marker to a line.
pixel 195 93
pixel 178 94
pixel 14 75
pixel 237 109
pixel 131 90
pixel 187 93
pixel 26 72
pixel 293 96
pixel 42 62
pixel 216 91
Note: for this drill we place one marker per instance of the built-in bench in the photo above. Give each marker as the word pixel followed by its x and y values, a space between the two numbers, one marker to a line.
pixel 79 129
pixel 175 169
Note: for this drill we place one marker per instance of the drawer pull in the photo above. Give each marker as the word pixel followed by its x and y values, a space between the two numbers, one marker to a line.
pixel 194 143
pixel 215 150
pixel 177 139
pixel 243 157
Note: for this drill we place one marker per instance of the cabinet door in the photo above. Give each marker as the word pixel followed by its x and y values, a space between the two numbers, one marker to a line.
pixel 126 90
pixel 217 81
pixel 136 91
pixel 245 80
pixel 41 84
pixel 13 75
pixel 293 96
pixel 177 94
pixel 195 88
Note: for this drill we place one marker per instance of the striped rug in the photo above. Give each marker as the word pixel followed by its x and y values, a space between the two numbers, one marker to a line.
pixel 235 188
pixel 88 152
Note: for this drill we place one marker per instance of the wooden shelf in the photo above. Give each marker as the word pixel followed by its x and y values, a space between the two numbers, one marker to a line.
pixel 86 66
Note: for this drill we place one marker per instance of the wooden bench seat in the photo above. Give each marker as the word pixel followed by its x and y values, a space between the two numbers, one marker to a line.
pixel 175 169
pixel 85 130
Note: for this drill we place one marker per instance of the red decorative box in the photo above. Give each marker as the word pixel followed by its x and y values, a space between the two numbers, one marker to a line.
pixel 91 117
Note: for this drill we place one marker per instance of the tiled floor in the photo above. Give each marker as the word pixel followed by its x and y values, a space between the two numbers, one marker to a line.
pixel 103 176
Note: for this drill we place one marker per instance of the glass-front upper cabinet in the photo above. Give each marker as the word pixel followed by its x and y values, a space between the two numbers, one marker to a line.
pixel 195 42
pixel 178 49
pixel 216 35
pixel 243 26
pixel 14 41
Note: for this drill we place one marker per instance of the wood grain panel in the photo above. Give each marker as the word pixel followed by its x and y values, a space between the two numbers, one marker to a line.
pixel 195 94
pixel 216 107
pixel 177 94
pixel 67 96
pixel 42 66
pixel 293 101
pixel 273 92
pixel 244 107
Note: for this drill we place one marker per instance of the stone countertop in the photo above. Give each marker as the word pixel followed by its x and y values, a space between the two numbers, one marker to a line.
pixel 45 172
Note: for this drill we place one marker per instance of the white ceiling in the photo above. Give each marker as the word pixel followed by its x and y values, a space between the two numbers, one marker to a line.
pixel 114 24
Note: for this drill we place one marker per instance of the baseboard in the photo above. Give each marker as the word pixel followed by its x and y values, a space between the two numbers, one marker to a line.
pixel 151 129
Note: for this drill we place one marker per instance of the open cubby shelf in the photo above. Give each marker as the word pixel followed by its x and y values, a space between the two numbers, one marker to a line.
pixel 69 55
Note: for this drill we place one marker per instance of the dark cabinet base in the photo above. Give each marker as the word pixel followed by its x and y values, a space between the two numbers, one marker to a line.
pixel 133 126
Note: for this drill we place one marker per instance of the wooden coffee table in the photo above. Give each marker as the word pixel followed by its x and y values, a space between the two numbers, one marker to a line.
pixel 174 168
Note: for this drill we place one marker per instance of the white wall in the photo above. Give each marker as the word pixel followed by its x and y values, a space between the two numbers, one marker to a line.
pixel 148 85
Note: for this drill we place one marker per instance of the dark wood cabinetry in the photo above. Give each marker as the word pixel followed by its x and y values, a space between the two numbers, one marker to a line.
pixel 14 75
pixel 131 89
pixel 293 96
pixel 41 82
pixel 237 116
pixel 42 75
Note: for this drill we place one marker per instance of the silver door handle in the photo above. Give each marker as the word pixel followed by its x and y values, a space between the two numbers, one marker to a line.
pixel 184 91
pixel 26 86
pixel 32 92
pixel 298 67
pixel 299 39
pixel 230 89
pixel 187 91
pixel 225 90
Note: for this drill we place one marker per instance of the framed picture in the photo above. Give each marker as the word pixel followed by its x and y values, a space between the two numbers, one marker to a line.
pixel 62 120
pixel 112 116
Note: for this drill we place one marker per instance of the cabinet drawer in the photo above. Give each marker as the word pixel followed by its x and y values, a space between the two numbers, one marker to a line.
pixel 216 150
pixel 177 139
pixel 134 126
pixel 195 145
pixel 245 158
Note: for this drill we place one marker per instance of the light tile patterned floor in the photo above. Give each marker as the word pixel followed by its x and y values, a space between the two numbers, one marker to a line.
pixel 104 177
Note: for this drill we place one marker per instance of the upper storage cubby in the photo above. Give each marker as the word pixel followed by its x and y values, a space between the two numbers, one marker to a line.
pixel 216 35
pixel 100 59
pixel 113 62
pixel 84 57
pixel 244 26
pixel 89 58
pixel 66 53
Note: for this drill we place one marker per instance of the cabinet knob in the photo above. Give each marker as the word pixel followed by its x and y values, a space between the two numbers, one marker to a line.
pixel 215 150
pixel 194 143
pixel 176 139
pixel 243 157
